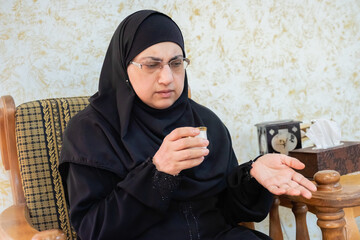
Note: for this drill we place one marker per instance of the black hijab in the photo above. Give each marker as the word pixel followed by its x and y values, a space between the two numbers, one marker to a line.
pixel 133 35
pixel 131 131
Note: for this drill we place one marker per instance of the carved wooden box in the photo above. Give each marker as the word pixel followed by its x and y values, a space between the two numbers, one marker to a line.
pixel 344 158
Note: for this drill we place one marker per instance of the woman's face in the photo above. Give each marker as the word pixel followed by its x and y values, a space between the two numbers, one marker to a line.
pixel 161 87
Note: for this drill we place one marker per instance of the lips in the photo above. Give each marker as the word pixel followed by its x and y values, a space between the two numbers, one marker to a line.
pixel 165 93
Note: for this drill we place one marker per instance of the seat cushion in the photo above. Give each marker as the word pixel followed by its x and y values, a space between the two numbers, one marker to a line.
pixel 39 128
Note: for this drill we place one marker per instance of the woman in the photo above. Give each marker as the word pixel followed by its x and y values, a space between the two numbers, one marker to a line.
pixel 131 163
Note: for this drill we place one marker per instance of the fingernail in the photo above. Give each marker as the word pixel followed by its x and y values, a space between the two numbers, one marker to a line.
pixel 205 140
pixel 205 151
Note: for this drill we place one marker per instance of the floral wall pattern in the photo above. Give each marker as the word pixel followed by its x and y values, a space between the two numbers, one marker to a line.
pixel 251 61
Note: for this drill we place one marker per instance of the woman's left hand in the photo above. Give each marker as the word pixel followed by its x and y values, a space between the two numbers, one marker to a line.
pixel 276 173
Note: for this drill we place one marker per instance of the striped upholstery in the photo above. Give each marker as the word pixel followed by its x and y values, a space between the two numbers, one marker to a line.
pixel 39 128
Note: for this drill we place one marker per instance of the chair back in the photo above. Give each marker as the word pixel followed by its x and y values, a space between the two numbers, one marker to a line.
pixel 39 128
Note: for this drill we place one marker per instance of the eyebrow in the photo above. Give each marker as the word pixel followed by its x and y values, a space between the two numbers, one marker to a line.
pixel 159 59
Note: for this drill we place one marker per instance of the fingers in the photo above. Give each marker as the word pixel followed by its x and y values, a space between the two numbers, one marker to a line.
pixel 191 142
pixel 186 164
pixel 294 185
pixel 193 153
pixel 300 190
pixel 292 162
pixel 279 177
pixel 183 138
pixel 175 167
pixel 300 179
pixel 306 193
pixel 307 185
pixel 289 190
pixel 183 132
pixel 176 161
pixel 276 190
pixel 180 150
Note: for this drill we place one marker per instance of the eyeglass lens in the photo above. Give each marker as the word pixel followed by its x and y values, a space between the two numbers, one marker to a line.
pixel 175 65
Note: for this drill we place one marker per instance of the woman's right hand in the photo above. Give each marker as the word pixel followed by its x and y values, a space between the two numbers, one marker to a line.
pixel 181 150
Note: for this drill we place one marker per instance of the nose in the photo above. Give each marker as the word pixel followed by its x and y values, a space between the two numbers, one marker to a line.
pixel 165 76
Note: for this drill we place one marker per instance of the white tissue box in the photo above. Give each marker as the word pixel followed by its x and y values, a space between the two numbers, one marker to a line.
pixel 344 158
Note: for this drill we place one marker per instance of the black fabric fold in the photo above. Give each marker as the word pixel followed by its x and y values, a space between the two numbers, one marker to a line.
pixel 245 199
pixel 149 186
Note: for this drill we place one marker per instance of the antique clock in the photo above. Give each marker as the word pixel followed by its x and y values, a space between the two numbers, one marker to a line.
pixel 279 136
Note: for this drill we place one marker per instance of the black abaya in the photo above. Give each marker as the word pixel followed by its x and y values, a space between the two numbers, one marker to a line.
pixel 113 187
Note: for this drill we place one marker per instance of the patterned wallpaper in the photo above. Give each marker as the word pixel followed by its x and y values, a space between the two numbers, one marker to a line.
pixel 251 61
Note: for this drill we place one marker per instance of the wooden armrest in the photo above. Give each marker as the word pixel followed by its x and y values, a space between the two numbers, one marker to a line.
pixel 52 234
pixel 15 225
pixel 8 148
pixel 336 204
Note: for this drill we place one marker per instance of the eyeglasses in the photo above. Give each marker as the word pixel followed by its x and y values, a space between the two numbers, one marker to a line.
pixel 176 65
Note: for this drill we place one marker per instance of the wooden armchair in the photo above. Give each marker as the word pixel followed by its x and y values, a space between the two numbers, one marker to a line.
pixel 30 142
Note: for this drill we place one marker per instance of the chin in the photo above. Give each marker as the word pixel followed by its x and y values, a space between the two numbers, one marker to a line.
pixel 164 104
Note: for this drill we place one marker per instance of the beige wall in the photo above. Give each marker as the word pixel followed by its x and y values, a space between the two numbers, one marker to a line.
pixel 252 61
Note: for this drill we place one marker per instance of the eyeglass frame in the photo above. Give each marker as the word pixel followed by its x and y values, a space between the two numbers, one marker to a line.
pixel 139 65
